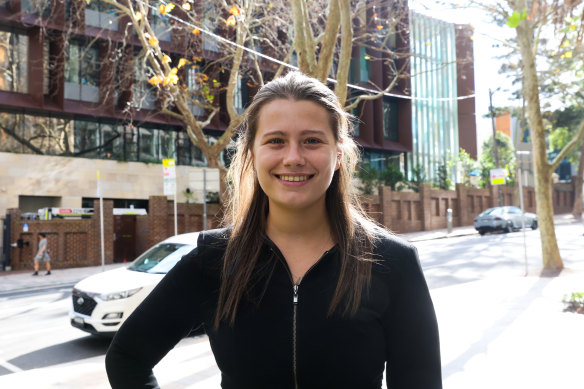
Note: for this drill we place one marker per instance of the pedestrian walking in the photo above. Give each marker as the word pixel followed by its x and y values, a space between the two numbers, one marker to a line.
pixel 302 290
pixel 42 255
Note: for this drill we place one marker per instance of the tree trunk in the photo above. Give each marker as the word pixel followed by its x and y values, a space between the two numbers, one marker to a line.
pixel 543 172
pixel 577 209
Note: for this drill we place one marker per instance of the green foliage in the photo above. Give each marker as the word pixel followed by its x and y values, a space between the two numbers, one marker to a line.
pixel 515 18
pixel 574 302
pixel 506 154
pixel 465 164
pixel 443 182
pixel 562 128
pixel 419 177
pixel 212 197
pixel 391 176
pixel 369 178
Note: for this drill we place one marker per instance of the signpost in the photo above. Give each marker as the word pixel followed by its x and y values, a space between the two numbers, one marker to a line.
pixel 498 176
pixel 169 176
pixel 99 194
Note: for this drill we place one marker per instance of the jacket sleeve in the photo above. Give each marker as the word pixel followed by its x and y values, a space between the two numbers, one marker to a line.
pixel 413 346
pixel 167 315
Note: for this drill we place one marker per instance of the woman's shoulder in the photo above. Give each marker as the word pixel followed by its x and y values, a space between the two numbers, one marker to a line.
pixel 214 239
pixel 385 240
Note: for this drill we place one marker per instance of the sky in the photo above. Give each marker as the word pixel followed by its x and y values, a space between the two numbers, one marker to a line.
pixel 486 63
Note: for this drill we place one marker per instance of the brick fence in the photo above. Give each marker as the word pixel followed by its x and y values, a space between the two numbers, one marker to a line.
pixel 76 243
pixel 409 212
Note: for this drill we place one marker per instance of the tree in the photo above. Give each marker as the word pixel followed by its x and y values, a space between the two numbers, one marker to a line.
pixel 506 159
pixel 566 122
pixel 327 32
pixel 534 23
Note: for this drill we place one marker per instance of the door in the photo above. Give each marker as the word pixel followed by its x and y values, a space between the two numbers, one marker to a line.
pixel 124 238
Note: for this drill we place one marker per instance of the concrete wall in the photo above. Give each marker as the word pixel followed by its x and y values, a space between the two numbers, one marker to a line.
pixel 69 179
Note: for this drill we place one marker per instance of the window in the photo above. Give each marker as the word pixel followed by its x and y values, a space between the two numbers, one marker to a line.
pixel 193 80
pixel 112 142
pixel 130 143
pixel 210 23
pixel 82 73
pixel 86 139
pixel 390 120
pixel 13 62
pixel 100 14
pixel 161 26
pixel 144 93
pixel 41 8
pixel 240 95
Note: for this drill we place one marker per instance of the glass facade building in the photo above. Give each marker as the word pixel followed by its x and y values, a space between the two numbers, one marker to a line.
pixel 435 138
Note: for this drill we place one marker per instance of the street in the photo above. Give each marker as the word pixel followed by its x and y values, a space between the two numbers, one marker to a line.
pixel 481 297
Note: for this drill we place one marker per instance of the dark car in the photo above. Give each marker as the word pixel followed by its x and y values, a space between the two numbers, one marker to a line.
pixel 504 219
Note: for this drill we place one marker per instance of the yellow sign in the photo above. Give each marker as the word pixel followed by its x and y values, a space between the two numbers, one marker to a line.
pixel 498 176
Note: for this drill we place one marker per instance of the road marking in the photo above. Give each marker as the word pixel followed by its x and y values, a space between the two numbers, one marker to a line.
pixel 9 366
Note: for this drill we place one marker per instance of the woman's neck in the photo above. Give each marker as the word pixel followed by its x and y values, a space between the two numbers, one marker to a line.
pixel 311 224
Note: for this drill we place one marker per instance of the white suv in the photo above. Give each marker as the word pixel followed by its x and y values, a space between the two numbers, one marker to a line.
pixel 103 301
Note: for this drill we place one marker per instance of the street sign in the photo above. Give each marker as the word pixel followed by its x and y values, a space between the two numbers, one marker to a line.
pixel 498 176
pixel 169 176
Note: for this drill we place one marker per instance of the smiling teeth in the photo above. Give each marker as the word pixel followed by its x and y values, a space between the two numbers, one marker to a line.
pixel 294 178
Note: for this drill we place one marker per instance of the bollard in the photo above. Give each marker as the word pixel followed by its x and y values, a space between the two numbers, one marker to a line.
pixel 449 219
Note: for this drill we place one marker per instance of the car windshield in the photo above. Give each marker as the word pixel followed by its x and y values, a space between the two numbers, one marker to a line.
pixel 161 258
pixel 489 211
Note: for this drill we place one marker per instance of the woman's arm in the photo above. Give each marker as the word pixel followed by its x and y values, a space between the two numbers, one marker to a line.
pixel 166 316
pixel 412 330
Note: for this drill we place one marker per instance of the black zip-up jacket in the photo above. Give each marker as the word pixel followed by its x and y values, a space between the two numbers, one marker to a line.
pixel 286 340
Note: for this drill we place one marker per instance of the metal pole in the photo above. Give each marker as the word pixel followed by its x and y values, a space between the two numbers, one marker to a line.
pixel 101 222
pixel 175 222
pixel 495 151
pixel 204 199
pixel 522 217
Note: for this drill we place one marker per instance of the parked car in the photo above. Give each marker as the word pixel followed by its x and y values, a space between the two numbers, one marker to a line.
pixel 504 219
pixel 102 302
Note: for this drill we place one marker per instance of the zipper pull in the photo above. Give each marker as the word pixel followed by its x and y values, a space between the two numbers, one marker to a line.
pixel 295 300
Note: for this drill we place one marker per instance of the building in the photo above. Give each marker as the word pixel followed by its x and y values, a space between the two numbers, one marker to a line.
pixel 69 109
pixel 443 114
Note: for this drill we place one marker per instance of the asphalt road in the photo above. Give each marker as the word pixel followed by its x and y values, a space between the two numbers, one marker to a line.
pixel 38 347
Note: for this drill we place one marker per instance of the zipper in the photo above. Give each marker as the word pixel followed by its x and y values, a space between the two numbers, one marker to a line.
pixel 295 305
pixel 295 287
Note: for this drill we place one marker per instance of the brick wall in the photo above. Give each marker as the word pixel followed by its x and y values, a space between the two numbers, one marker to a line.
pixel 77 243
pixel 409 212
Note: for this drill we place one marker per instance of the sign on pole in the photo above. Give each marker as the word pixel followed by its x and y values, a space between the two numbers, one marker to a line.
pixel 169 174
pixel 498 176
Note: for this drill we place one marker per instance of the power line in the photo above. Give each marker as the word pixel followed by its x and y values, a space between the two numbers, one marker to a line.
pixel 272 59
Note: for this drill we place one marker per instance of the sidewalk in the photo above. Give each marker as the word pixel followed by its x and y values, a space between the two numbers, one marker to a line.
pixel 14 281
pixel 500 332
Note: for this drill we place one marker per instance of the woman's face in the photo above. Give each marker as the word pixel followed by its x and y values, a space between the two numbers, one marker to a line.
pixel 295 153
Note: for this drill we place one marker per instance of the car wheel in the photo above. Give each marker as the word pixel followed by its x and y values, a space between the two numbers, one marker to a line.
pixel 482 232
pixel 508 228
pixel 534 225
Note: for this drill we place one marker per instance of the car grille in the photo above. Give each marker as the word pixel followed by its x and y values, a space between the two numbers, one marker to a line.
pixel 82 303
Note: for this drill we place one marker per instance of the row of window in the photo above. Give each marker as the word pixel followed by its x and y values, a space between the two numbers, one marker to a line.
pixel 89 139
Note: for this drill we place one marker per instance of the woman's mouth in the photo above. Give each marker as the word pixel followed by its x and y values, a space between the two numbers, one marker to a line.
pixel 284 177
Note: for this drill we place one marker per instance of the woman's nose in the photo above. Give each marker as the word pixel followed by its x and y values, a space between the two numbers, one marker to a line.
pixel 293 155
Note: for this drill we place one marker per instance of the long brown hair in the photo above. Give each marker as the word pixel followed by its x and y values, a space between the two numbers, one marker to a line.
pixel 248 207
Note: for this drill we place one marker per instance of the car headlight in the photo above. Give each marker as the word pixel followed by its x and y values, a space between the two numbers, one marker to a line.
pixel 119 295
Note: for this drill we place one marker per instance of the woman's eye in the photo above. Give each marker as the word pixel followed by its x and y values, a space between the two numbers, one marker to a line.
pixel 313 141
pixel 275 141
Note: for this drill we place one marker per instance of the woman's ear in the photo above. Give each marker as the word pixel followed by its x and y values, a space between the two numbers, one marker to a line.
pixel 339 158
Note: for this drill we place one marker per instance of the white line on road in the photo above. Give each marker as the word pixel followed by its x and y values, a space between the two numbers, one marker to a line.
pixel 9 366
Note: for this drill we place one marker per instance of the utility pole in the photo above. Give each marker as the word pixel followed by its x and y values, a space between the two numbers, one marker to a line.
pixel 492 112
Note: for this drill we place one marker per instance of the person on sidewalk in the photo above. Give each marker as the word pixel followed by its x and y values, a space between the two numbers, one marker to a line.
pixel 302 290
pixel 42 255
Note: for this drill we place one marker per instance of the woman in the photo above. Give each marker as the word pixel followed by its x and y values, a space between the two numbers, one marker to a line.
pixel 42 255
pixel 303 290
